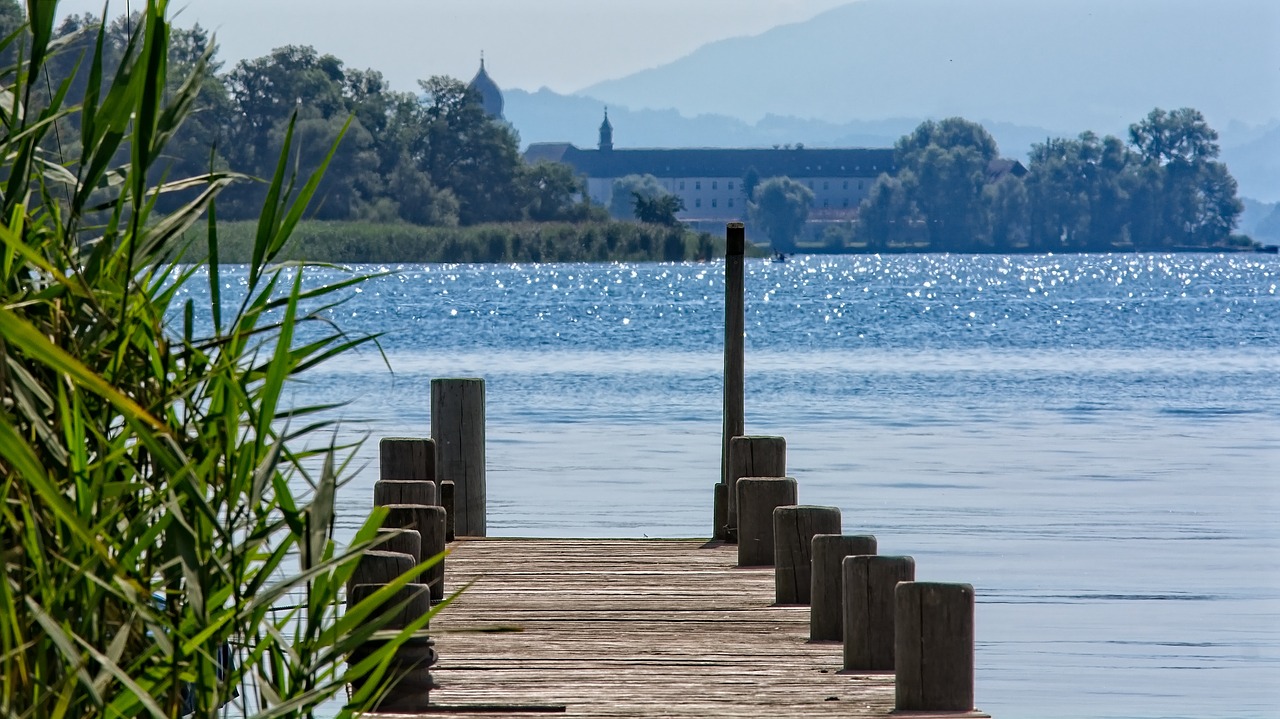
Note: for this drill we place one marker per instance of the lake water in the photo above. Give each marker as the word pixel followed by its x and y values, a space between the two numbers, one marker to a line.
pixel 1091 441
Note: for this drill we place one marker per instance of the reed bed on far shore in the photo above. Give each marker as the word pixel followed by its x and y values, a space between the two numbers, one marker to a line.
pixel 381 243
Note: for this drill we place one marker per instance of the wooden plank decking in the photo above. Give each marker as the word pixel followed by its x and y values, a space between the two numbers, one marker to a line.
pixel 634 628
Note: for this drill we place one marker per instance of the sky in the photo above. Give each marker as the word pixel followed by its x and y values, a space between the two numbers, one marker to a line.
pixel 565 45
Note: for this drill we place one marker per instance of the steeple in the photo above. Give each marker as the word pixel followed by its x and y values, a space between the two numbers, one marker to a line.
pixel 490 95
pixel 606 132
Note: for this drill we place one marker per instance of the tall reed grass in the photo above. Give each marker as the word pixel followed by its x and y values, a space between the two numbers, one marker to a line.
pixel 160 501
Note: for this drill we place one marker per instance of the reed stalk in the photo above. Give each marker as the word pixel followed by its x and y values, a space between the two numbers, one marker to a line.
pixel 167 517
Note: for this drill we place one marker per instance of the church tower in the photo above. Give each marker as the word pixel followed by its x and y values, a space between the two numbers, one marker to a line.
pixel 606 132
pixel 490 95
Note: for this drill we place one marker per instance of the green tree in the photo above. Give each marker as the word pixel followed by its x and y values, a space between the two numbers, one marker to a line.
pixel 889 216
pixel 1196 203
pixel 750 181
pixel 949 160
pixel 12 18
pixel 780 210
pixel 265 94
pixel 660 210
pixel 622 198
pixel 1079 192
pixel 552 192
pixel 1010 213
pixel 469 153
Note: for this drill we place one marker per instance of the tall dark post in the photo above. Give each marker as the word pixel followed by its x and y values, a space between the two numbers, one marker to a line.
pixel 734 335
pixel 457 426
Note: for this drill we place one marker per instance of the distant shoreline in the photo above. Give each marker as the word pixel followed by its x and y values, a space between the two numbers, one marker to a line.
pixel 343 242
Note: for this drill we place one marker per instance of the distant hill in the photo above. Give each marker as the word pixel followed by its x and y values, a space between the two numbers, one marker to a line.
pixel 546 116
pixel 1252 154
pixel 1255 213
pixel 1255 164
pixel 1070 65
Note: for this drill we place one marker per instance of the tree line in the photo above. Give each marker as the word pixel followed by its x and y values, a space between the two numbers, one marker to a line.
pixel 430 158
pixel 1161 189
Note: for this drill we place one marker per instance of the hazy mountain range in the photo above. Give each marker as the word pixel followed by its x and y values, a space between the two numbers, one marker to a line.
pixel 866 73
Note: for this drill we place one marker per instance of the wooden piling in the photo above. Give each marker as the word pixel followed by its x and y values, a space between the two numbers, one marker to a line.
pixel 826 613
pixel 752 457
pixel 447 501
pixel 404 491
pixel 380 567
pixel 409 668
pixel 757 498
pixel 793 531
pixel 868 592
pixel 429 522
pixel 416 599
pixel 407 458
pixel 457 426
pixel 403 541
pixel 720 511
pixel 734 340
pixel 933 646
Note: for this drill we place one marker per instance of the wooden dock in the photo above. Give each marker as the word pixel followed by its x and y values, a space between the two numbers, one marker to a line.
pixel 634 628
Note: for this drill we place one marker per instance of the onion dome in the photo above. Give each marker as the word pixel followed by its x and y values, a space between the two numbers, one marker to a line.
pixel 490 95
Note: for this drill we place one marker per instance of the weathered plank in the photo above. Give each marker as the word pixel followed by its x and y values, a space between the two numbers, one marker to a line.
pixel 632 628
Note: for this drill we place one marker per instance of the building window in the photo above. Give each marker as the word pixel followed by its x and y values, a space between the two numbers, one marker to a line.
pixel 731 187
pixel 826 203
pixel 846 184
pixel 697 185
pixel 682 184
pixel 713 202
pixel 824 185
pixel 846 202
pixel 859 184
pixel 713 184
pixel 730 202
pixel 697 202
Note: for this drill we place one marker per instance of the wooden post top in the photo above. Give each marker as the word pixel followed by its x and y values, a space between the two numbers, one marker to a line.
pixel 735 235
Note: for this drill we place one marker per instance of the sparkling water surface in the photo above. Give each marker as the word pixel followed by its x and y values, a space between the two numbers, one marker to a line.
pixel 1089 440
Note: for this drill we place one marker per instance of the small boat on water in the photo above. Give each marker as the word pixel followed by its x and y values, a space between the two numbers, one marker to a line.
pixel 778 257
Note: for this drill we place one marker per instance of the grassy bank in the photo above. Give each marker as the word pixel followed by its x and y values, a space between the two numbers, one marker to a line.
pixel 368 242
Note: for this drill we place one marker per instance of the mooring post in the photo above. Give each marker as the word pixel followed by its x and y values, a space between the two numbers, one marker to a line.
pixel 378 566
pixel 735 235
pixel 404 491
pixel 757 498
pixel 933 646
pixel 720 511
pixel 402 541
pixel 407 458
pixel 457 426
pixel 412 660
pixel 793 531
pixel 868 592
pixel 752 457
pixel 446 501
pixel 429 522
pixel 826 614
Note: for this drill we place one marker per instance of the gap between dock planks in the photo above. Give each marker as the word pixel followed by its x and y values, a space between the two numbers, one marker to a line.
pixel 634 628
